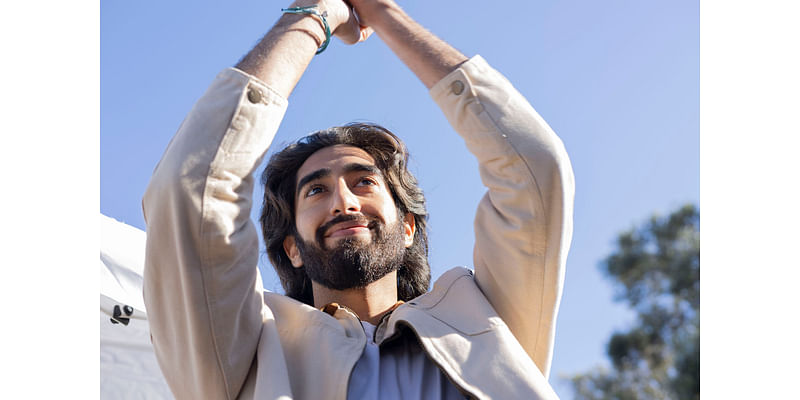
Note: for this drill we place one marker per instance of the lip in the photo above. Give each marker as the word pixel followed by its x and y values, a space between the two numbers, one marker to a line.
pixel 347 228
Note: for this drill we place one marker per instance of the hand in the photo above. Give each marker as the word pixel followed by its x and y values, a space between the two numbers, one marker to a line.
pixel 368 10
pixel 343 22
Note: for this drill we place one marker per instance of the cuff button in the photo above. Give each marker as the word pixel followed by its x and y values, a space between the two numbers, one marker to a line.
pixel 457 87
pixel 254 95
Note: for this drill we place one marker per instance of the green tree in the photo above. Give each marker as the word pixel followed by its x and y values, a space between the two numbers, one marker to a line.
pixel 656 270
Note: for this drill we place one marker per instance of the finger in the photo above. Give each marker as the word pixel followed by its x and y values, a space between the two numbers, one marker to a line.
pixel 366 32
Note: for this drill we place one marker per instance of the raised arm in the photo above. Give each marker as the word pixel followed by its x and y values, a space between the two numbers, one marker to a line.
pixel 429 57
pixel 201 285
pixel 282 56
pixel 523 225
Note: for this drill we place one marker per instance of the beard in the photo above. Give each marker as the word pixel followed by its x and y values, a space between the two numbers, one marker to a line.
pixel 353 262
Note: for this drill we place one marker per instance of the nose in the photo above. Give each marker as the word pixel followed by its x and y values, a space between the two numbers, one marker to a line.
pixel 344 200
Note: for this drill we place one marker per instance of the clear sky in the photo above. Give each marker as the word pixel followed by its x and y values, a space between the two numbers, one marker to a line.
pixel 618 81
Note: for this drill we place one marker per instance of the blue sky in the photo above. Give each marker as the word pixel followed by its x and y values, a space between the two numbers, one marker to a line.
pixel 618 81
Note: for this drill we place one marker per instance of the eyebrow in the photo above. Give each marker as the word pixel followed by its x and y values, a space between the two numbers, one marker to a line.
pixel 323 172
pixel 363 168
pixel 318 174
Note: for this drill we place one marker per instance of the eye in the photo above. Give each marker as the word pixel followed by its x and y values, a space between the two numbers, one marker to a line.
pixel 315 189
pixel 367 181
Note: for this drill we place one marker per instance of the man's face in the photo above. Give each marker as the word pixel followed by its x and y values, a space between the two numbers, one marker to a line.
pixel 346 219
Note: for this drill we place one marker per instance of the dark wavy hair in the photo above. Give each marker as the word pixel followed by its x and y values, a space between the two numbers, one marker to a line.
pixel 278 208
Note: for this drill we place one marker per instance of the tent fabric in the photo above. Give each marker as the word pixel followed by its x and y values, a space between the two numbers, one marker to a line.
pixel 128 367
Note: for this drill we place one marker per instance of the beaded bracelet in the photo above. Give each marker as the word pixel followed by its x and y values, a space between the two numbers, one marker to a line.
pixel 311 10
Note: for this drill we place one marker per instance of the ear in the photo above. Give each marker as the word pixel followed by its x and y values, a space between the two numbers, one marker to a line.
pixel 409 227
pixel 290 247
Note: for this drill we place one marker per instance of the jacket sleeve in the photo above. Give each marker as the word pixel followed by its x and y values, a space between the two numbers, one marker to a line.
pixel 202 289
pixel 523 225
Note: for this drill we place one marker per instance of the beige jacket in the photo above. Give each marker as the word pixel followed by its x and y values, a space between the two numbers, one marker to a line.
pixel 218 335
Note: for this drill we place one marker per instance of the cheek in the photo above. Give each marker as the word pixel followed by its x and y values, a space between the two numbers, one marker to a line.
pixel 389 210
pixel 306 225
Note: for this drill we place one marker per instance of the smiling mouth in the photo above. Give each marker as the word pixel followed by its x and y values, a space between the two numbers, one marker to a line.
pixel 353 227
pixel 353 230
pixel 346 226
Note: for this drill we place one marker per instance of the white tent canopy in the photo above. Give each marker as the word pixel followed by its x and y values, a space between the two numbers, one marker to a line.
pixel 128 367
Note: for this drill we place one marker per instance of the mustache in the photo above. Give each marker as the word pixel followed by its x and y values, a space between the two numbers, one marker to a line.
pixel 371 223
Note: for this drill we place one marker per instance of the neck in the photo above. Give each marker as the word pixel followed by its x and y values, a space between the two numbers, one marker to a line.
pixel 370 303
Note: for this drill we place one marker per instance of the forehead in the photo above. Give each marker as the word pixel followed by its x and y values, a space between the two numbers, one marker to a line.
pixel 333 156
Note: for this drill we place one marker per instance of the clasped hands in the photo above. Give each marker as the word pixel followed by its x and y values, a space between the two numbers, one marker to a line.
pixel 351 21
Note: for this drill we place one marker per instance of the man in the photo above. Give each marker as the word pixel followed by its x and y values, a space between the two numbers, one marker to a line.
pixel 344 224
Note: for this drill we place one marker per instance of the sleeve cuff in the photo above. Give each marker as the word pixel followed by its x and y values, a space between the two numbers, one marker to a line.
pixel 457 81
pixel 263 93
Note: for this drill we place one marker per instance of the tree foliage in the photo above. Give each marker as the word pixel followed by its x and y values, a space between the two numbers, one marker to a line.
pixel 656 270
